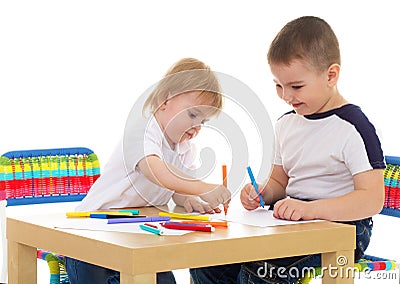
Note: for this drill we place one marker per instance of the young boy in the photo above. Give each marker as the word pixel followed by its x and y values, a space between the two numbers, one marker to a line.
pixel 328 158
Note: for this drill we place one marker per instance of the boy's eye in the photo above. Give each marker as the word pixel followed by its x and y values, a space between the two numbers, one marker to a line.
pixel 297 87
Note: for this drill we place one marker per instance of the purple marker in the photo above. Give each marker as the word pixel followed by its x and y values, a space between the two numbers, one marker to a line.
pixel 138 220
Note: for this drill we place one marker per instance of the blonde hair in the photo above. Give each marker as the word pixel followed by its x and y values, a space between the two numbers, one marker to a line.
pixel 307 38
pixel 186 75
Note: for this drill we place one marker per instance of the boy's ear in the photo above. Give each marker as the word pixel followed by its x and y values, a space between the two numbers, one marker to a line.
pixel 333 74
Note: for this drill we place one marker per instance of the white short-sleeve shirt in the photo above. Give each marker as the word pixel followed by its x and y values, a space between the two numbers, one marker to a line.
pixel 320 153
pixel 122 184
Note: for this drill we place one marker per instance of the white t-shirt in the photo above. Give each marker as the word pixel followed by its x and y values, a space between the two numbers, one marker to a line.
pixel 122 184
pixel 320 153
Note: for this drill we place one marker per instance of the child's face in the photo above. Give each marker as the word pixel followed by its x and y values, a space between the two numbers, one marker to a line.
pixel 302 87
pixel 182 116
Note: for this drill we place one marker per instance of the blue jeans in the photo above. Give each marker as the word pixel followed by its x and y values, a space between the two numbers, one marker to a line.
pixel 80 272
pixel 283 270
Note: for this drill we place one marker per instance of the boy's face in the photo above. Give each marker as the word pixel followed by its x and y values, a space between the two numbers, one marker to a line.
pixel 302 87
pixel 182 116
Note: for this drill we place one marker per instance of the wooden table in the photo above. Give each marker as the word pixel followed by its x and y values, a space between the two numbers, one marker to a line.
pixel 139 256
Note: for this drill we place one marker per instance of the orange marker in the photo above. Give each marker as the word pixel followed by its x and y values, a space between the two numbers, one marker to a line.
pixel 225 183
pixel 212 223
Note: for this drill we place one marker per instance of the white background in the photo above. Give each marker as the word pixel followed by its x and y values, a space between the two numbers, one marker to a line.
pixel 70 71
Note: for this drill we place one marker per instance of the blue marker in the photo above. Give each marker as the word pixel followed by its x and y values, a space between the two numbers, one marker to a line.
pixel 113 216
pixel 255 185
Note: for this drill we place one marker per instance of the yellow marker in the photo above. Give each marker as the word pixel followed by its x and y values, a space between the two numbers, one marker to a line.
pixel 184 216
pixel 78 214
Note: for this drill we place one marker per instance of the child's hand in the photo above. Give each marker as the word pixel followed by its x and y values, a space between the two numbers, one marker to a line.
pixel 249 197
pixel 217 194
pixel 196 204
pixel 293 209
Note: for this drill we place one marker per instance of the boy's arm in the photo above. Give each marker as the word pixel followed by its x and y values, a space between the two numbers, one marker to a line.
pixel 275 188
pixel 168 176
pixel 366 200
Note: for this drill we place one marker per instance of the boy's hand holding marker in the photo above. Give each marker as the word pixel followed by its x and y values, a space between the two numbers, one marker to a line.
pixel 251 195
pixel 249 198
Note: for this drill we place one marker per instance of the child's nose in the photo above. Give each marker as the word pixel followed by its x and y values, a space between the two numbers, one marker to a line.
pixel 197 128
pixel 286 96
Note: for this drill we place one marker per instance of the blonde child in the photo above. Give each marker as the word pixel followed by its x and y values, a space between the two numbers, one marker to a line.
pixel 328 158
pixel 155 160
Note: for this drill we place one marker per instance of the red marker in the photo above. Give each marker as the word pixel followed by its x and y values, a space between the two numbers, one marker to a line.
pixel 190 227
pixel 151 225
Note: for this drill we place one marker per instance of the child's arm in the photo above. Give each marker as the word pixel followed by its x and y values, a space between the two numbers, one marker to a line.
pixel 271 192
pixel 168 176
pixel 193 203
pixel 366 200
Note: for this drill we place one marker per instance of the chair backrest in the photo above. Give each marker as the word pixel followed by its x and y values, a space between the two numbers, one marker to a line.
pixel 391 207
pixel 392 187
pixel 47 175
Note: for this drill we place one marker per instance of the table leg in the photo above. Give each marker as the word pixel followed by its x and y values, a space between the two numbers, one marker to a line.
pixel 338 267
pixel 3 252
pixel 137 279
pixel 22 265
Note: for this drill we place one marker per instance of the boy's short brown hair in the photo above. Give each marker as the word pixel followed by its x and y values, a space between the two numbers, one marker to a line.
pixel 307 38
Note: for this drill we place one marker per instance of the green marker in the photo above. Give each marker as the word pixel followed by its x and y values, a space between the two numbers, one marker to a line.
pixel 151 229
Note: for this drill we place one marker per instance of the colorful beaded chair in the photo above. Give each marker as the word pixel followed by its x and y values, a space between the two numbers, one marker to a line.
pixel 391 208
pixel 46 176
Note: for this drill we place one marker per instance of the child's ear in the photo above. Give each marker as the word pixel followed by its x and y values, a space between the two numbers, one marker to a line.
pixel 333 74
pixel 163 106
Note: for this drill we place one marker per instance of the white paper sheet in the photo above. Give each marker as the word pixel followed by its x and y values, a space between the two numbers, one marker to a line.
pixel 94 224
pixel 260 217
